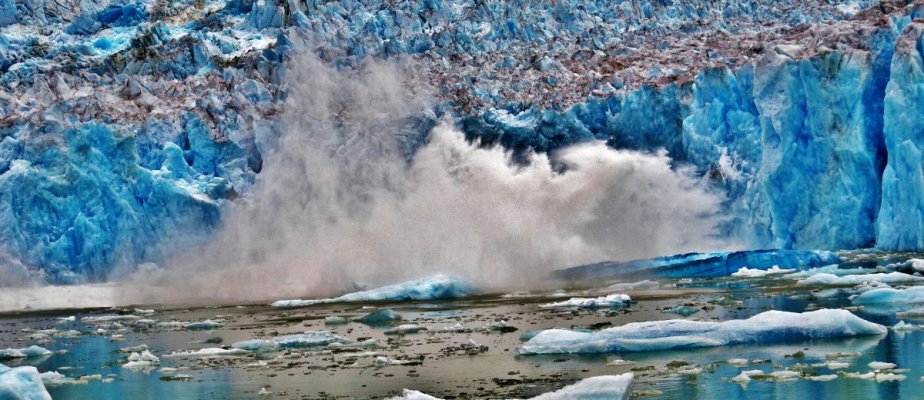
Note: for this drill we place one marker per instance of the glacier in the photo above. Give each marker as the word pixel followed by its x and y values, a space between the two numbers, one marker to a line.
pixel 128 128
pixel 766 327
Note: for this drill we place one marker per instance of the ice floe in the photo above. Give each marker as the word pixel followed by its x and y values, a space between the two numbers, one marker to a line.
pixel 745 272
pixel 825 279
pixel 606 387
pixel 28 352
pixel 770 326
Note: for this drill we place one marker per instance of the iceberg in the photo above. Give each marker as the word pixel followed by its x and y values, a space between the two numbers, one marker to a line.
pixel 380 317
pixel 609 301
pixel 891 297
pixel 28 352
pixel 824 279
pixel 766 327
pixel 307 339
pixel 21 383
pixel 437 287
pixel 701 265
pixel 745 272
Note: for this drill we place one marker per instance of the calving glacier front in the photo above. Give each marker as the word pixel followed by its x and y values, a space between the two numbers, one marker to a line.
pixel 134 131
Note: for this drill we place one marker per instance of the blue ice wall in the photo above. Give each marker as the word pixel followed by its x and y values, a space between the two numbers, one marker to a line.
pixel 901 218
pixel 79 204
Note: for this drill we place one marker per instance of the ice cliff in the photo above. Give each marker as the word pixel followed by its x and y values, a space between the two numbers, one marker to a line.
pixel 128 127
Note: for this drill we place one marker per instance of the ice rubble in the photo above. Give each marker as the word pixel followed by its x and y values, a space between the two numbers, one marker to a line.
pixel 770 326
pixel 797 125
pixel 606 387
pixel 437 287
pixel 21 383
pixel 702 265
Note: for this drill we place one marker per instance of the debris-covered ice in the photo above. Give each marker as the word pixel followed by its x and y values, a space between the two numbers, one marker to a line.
pixel 770 326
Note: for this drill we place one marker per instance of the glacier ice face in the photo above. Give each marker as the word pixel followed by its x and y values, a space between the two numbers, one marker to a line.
pixel 901 216
pixel 806 129
pixel 766 327
pixel 437 287
pixel 21 383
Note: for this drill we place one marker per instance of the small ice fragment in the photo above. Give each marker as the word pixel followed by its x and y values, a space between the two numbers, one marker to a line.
pixel 784 375
pixel 889 377
pixel 264 392
pixel 209 352
pixel 498 326
pixel 203 325
pixel 144 360
pixel 880 366
pixel 389 361
pixel 901 326
pixel 256 345
pixel 738 362
pixel 689 370
pixel 335 320
pixel 741 378
pixel 619 361
pixel 380 317
pixel 405 329
pixel 835 365
pixel 856 375
pixel 823 378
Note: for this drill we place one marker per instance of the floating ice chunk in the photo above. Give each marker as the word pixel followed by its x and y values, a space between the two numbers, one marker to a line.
pixel 63 320
pixel 209 352
pixel 910 266
pixel 436 287
pixel 822 378
pixel 203 325
pixel 741 378
pixel 498 326
pixel 835 365
pixel 849 280
pixel 21 383
pixel 389 361
pixel 308 339
pixel 99 319
pixel 901 326
pixel 784 375
pixel 685 311
pixel 606 387
pixel 380 317
pixel 144 360
pixel 335 320
pixel 701 265
pixel 54 378
pixel 856 375
pixel 828 269
pixel 405 329
pixel 770 326
pixel 408 394
pixel 745 272
pixel 28 352
pixel 256 345
pixel 689 370
pixel 619 361
pixel 457 328
pixel 738 362
pixel 889 296
pixel 880 366
pixel 610 301
pixel 889 377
